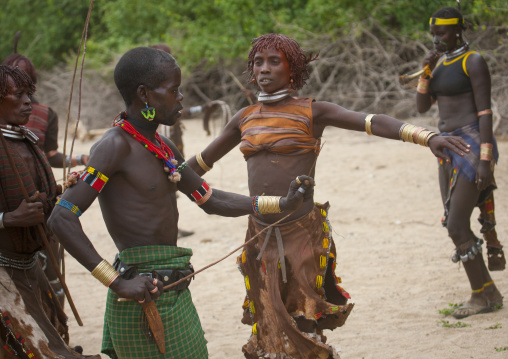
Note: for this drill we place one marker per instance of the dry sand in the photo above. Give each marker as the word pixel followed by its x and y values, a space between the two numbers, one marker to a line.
pixel 393 255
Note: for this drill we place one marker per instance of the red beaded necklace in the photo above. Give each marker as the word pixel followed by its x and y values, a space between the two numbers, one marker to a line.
pixel 163 152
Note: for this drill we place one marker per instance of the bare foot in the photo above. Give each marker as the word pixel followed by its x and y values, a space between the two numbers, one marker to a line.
pixel 477 304
pixel 493 296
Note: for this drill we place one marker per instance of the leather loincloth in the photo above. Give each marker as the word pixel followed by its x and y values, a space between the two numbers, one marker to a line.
pixel 311 296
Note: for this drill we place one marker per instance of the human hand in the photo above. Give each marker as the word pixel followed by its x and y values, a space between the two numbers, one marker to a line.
pixel 430 60
pixel 454 143
pixel 141 288
pixel 27 214
pixel 299 189
pixel 483 175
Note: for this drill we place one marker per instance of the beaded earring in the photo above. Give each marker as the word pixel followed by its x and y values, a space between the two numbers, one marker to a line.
pixel 148 112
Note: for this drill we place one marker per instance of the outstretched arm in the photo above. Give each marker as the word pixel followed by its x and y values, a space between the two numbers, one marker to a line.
pixel 329 114
pixel 218 148
pixel 227 204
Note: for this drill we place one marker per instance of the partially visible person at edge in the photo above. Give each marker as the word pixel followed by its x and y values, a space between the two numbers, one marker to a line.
pixel 32 323
pixel 460 83
pixel 43 121
pixel 135 173
pixel 280 138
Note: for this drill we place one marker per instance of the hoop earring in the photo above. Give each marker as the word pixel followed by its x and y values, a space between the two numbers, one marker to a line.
pixel 148 112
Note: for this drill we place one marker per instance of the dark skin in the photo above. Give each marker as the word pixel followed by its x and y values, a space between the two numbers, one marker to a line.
pixel 15 109
pixel 55 158
pixel 456 112
pixel 139 190
pixel 273 172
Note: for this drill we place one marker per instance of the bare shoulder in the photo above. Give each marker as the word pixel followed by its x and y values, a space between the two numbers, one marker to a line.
pixel 324 111
pixel 173 148
pixel 476 62
pixel 107 153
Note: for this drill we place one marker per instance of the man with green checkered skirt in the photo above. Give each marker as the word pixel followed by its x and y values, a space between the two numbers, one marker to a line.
pixel 135 173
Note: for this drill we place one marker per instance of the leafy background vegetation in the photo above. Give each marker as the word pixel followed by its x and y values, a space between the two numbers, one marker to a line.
pixel 364 46
pixel 207 32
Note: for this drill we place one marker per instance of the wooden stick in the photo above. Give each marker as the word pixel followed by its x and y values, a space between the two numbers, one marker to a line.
pixel 42 233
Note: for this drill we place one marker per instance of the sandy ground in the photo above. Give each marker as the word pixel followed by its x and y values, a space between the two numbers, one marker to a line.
pixel 393 255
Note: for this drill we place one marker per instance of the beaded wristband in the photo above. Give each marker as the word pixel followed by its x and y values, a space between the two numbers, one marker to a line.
pixel 202 163
pixel 255 204
pixel 268 204
pixel 368 124
pixel 105 273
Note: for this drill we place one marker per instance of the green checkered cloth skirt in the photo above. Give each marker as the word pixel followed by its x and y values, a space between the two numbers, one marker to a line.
pixel 126 333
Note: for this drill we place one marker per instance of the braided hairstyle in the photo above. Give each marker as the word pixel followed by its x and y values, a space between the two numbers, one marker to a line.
pixel 19 77
pixel 298 60
pixel 450 13
pixel 16 59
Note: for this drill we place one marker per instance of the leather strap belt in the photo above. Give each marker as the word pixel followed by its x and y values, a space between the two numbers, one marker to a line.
pixel 166 276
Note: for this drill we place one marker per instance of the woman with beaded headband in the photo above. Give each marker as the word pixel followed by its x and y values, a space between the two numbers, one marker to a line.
pixel 291 290
pixel 460 83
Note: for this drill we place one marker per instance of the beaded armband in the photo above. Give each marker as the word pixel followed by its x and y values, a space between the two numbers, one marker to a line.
pixel 71 207
pixel 94 178
pixel 201 195
pixel 105 273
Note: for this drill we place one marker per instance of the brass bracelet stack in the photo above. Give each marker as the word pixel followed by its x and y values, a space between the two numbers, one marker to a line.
pixel 368 124
pixel 486 151
pixel 423 85
pixel 413 134
pixel 105 273
pixel 266 204
pixel 202 163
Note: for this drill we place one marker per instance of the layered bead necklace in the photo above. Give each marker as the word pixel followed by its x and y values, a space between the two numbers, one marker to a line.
pixel 163 152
